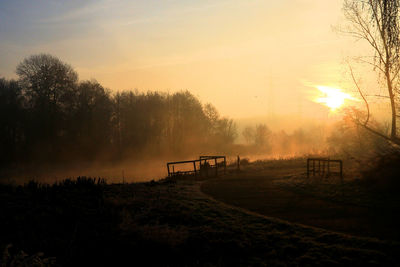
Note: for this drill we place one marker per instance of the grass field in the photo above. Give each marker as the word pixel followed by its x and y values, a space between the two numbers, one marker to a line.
pixel 171 223
pixel 281 189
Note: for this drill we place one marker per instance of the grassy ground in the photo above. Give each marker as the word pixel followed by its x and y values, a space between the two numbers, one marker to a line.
pixel 281 189
pixel 166 223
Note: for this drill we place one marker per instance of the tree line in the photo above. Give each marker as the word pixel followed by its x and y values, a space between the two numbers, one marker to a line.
pixel 310 140
pixel 48 114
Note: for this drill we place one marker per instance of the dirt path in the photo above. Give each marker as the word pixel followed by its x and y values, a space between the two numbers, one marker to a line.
pixel 260 194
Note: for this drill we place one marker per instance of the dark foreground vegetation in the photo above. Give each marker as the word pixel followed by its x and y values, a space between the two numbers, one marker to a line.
pixel 165 223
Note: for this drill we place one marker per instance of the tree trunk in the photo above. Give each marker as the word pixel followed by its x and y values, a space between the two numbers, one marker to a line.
pixel 393 134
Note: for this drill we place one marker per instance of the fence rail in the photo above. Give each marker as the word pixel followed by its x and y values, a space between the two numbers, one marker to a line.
pixel 204 166
pixel 323 164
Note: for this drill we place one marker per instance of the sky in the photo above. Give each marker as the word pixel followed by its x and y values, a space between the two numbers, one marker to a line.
pixel 247 57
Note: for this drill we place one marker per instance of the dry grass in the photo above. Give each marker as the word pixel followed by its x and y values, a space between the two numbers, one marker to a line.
pixel 166 223
pixel 282 189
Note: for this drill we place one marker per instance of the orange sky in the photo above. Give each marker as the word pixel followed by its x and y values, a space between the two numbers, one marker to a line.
pixel 248 58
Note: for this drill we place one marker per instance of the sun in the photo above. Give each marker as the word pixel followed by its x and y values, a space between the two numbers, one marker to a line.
pixel 331 97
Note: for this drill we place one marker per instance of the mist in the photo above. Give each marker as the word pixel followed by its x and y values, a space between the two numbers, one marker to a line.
pixel 54 126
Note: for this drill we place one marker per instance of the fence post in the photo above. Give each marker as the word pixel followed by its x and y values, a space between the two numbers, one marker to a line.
pixel 313 167
pixel 224 165
pixel 319 167
pixel 216 167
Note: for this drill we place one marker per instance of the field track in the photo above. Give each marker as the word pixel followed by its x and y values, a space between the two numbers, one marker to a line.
pixel 264 193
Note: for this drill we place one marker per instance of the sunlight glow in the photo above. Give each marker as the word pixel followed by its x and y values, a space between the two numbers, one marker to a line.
pixel 331 97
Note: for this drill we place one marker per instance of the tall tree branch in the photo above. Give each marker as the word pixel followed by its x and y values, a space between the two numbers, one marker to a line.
pixel 362 95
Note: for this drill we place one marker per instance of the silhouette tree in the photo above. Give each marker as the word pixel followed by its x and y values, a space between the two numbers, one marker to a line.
pixel 222 130
pixel 261 135
pixel 212 116
pixel 248 134
pixel 139 120
pixel 47 115
pixel 11 120
pixel 378 23
pixel 47 81
pixel 49 86
pixel 226 131
pixel 92 120
pixel 188 123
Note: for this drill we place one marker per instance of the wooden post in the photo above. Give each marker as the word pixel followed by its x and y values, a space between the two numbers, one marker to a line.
pixel 207 166
pixel 169 174
pixel 323 168
pixel 329 170
pixel 194 167
pixel 224 165
pixel 313 166
pixel 319 167
pixel 238 163
pixel 216 167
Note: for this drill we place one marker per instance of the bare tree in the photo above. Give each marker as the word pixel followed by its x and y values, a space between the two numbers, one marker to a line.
pixel 49 87
pixel 262 135
pixel 248 134
pixel 47 80
pixel 378 23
